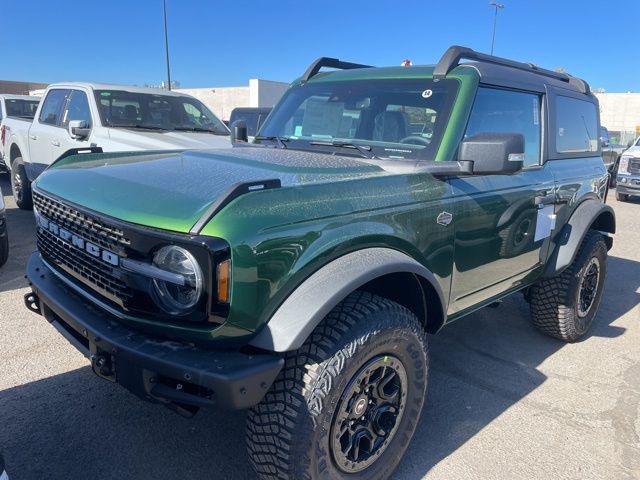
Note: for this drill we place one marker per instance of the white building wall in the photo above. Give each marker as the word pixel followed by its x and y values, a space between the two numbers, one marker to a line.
pixel 222 100
pixel 620 112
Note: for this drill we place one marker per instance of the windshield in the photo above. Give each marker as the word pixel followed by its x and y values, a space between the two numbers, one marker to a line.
pixel 119 108
pixel 392 119
pixel 21 108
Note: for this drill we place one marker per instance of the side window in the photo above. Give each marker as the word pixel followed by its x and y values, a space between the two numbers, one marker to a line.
pixel 576 126
pixel 505 111
pixel 52 107
pixel 77 108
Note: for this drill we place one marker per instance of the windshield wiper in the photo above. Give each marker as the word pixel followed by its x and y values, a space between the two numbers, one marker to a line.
pixel 199 129
pixel 364 150
pixel 142 127
pixel 281 140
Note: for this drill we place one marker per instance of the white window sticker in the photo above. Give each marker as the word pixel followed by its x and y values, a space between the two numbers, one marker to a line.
pixel 545 222
pixel 427 93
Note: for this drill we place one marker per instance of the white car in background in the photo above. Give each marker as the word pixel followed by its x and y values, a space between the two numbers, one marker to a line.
pixel 15 106
pixel 628 175
pixel 79 117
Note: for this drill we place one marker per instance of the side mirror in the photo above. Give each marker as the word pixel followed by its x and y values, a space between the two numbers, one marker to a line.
pixel 239 132
pixel 79 129
pixel 493 153
pixel 604 142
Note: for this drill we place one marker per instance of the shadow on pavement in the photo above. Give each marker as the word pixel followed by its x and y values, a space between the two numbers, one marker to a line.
pixel 483 364
pixel 75 425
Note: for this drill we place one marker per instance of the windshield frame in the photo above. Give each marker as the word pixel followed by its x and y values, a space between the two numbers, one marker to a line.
pixel 219 127
pixel 380 150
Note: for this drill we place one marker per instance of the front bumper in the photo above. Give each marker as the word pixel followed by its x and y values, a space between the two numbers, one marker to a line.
pixel 628 184
pixel 181 376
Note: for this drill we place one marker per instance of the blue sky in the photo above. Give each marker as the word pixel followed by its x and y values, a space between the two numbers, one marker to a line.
pixel 220 43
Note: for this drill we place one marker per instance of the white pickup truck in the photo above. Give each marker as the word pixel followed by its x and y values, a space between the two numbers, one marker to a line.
pixel 76 117
pixel 15 106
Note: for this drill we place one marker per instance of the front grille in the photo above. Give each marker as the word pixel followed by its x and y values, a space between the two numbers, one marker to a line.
pixel 92 271
pixel 634 166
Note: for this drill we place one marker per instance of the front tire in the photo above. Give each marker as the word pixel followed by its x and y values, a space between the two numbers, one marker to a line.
pixel 565 305
pixel 20 185
pixel 347 403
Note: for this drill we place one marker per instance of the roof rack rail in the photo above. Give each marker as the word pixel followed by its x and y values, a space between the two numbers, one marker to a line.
pixel 454 54
pixel 315 67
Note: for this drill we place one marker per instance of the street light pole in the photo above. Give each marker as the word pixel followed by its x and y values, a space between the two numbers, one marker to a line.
pixel 495 19
pixel 166 44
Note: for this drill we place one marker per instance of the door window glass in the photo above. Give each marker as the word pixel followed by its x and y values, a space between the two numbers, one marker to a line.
pixel 52 107
pixel 576 126
pixel 77 108
pixel 504 111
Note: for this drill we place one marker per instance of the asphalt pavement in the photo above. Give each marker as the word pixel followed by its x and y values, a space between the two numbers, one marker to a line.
pixel 505 402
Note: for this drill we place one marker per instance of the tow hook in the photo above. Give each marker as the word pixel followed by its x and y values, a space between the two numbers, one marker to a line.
pixel 102 365
pixel 32 302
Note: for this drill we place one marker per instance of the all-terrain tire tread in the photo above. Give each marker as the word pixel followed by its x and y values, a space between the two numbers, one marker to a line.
pixel 270 424
pixel 552 307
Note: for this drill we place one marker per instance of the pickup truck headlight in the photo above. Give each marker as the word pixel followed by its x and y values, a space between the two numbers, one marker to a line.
pixel 623 166
pixel 178 297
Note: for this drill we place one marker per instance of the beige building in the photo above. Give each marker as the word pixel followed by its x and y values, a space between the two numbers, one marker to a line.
pixel 222 100
pixel 620 113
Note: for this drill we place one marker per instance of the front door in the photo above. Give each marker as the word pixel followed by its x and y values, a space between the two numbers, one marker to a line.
pixel 501 234
pixel 46 130
pixel 77 108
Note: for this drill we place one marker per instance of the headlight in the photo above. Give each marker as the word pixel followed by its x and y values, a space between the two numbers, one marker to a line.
pixel 173 297
pixel 623 166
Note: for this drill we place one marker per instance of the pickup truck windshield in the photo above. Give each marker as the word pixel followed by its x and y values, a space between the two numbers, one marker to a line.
pixel 21 108
pixel 394 119
pixel 124 109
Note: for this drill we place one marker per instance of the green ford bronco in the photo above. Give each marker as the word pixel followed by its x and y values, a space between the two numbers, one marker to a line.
pixel 298 276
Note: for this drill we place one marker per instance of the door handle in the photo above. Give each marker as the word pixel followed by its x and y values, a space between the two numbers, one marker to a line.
pixel 545 199
pixel 33 137
pixel 55 143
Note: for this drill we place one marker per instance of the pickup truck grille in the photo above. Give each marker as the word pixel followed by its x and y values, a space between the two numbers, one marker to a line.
pixel 634 166
pixel 92 271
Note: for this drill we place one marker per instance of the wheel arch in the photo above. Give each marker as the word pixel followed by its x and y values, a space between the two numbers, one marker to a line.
pixel 384 271
pixel 589 215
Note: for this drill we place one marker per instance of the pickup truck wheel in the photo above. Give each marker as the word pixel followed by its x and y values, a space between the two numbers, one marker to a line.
pixel 564 306
pixel 21 185
pixel 622 197
pixel 347 403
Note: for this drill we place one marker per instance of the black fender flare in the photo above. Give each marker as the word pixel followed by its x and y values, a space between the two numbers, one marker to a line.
pixel 590 214
pixel 313 299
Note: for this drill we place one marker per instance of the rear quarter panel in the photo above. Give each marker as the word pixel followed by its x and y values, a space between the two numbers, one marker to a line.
pixel 577 180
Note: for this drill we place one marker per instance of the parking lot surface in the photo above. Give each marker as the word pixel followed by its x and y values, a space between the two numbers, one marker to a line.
pixel 505 402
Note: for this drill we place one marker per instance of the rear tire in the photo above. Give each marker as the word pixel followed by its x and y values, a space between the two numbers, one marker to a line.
pixel 318 418
pixel 21 185
pixel 4 248
pixel 565 305
pixel 622 197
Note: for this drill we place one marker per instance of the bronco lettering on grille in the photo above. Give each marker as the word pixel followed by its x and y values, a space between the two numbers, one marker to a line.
pixel 76 241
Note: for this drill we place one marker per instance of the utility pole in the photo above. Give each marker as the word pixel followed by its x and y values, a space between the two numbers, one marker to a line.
pixel 166 44
pixel 495 19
